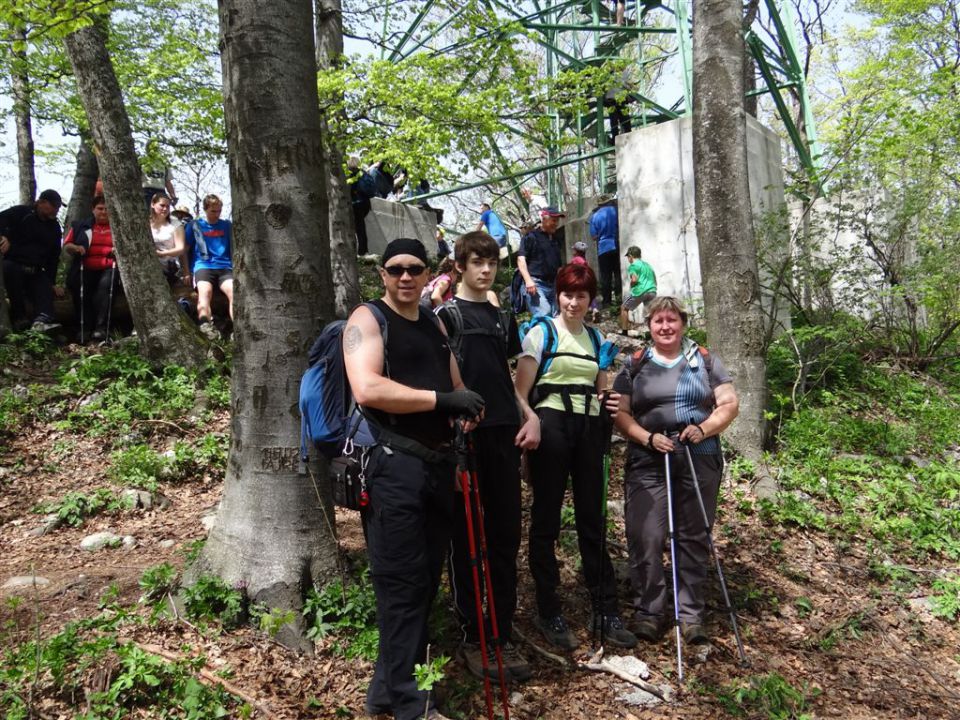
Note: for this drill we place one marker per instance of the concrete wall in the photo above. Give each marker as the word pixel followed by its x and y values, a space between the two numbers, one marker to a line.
pixel 656 199
pixel 388 221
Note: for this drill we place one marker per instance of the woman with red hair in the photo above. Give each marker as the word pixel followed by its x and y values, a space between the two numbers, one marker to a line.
pixel 559 377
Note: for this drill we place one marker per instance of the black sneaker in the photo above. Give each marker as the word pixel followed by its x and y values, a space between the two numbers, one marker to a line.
pixel 614 633
pixel 556 632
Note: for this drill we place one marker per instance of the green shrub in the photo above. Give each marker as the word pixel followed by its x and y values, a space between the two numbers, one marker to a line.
pixel 138 466
pixel 211 599
pixel 349 613
pixel 766 696
pixel 75 507
pixel 946 598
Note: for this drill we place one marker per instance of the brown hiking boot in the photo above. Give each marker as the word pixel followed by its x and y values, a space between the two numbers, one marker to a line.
pixel 469 653
pixel 694 633
pixel 647 629
pixel 515 663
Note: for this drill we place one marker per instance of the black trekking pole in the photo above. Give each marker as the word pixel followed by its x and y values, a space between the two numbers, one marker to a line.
pixel 673 564
pixel 606 423
pixel 488 579
pixel 463 474
pixel 713 551
pixel 113 277
pixel 81 301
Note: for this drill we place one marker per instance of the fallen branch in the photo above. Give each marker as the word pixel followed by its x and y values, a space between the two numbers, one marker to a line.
pixel 546 653
pixel 598 664
pixel 210 678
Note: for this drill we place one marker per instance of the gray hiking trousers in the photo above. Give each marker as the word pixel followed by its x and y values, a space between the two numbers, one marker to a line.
pixel 647 532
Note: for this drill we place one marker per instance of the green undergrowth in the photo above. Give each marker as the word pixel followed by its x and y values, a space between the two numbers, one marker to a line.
pixel 70 663
pixel 347 614
pixel 75 507
pixel 770 697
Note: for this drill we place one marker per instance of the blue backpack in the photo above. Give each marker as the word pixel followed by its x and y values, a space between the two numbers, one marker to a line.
pixel 518 293
pixel 329 415
pixel 604 353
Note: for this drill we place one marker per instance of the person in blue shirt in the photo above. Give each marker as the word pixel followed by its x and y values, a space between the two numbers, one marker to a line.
pixel 605 231
pixel 491 222
pixel 210 244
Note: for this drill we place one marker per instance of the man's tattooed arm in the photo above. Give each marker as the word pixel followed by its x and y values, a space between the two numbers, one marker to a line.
pixel 352 338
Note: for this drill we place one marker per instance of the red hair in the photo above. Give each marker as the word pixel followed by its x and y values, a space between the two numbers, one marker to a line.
pixel 576 278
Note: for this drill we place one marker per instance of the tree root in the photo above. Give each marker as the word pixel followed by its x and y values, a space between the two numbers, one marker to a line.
pixel 210 679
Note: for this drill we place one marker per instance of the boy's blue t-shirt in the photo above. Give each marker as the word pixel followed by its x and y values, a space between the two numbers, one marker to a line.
pixel 218 239
pixel 494 226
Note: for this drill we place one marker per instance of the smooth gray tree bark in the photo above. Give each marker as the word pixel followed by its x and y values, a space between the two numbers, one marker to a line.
pixel 343 238
pixel 274 532
pixel 84 182
pixel 166 334
pixel 20 84
pixel 728 253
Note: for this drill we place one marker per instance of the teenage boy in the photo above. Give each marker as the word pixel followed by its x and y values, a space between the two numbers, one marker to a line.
pixel 643 286
pixel 410 472
pixel 210 242
pixel 475 326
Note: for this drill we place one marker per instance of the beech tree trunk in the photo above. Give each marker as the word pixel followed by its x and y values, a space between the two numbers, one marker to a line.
pixel 728 254
pixel 20 83
pixel 274 531
pixel 343 238
pixel 166 334
pixel 84 182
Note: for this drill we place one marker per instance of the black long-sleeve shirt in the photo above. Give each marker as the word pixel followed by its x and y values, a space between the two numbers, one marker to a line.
pixel 34 242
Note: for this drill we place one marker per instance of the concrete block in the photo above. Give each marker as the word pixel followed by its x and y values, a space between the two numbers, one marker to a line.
pixel 656 201
pixel 388 221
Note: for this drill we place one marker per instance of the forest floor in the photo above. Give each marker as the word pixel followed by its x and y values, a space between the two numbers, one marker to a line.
pixel 826 634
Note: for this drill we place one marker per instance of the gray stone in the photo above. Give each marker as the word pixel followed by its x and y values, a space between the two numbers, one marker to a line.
pixel 631 665
pixel 129 542
pixel 167 544
pixel 20 582
pixel 208 521
pixel 145 500
pixel 615 508
pixel 922 606
pixel 100 540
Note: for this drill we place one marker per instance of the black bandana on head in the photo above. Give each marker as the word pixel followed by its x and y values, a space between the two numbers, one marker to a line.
pixel 405 246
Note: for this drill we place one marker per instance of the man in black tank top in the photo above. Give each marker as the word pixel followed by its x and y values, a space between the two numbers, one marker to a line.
pixel 407 523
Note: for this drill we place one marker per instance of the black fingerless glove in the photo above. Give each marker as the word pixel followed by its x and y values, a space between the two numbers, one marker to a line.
pixel 460 403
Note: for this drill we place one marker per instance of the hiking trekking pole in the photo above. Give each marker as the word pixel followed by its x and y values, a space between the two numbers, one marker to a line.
pixel 463 474
pixel 673 564
pixel 606 424
pixel 488 579
pixel 113 277
pixel 713 551
pixel 81 301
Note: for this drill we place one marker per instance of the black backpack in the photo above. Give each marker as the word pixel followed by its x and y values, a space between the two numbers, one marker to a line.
pixel 456 333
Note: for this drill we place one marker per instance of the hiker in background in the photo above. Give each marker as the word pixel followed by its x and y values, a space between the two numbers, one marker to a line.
pixel 209 241
pixel 643 288
pixel 491 222
pixel 410 473
pixel 183 214
pixel 443 247
pixel 559 376
pixel 90 241
pixel 30 247
pixel 156 177
pixel 671 393
pixel 441 288
pixel 580 258
pixel 363 188
pixel 169 240
pixel 484 338
pixel 538 260
pixel 605 231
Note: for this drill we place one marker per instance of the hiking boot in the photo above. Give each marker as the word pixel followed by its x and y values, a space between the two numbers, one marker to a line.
pixel 694 633
pixel 98 335
pixel 469 653
pixel 648 630
pixel 434 714
pixel 515 663
pixel 614 633
pixel 556 632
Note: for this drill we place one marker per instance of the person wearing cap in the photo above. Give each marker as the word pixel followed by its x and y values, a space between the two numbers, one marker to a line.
pixel 30 246
pixel 410 472
pixel 491 222
pixel 643 286
pixel 183 214
pixel 605 231
pixel 538 260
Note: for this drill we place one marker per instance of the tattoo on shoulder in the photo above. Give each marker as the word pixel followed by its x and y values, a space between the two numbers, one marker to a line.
pixel 352 337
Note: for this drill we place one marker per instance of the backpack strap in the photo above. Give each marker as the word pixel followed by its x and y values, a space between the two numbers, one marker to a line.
pixel 199 242
pixel 541 390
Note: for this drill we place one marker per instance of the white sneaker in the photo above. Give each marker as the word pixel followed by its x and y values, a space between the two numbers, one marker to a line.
pixel 41 326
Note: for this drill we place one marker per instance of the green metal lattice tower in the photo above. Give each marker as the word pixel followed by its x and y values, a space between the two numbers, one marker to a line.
pixel 578 35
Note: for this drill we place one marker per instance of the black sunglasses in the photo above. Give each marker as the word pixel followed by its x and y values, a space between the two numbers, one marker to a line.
pixel 398 270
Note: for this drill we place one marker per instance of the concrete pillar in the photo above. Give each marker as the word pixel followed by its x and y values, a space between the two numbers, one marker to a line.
pixel 656 202
pixel 388 221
